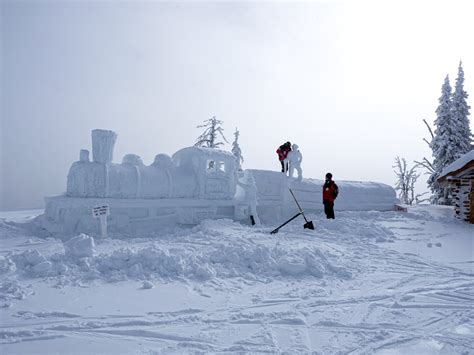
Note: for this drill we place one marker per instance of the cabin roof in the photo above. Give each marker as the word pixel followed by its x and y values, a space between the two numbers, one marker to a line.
pixel 460 165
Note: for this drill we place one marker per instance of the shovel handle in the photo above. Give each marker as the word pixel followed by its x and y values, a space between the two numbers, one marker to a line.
pixel 294 198
pixel 297 204
pixel 284 224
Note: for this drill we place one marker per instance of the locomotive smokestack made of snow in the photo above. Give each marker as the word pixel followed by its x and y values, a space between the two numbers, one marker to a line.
pixel 103 143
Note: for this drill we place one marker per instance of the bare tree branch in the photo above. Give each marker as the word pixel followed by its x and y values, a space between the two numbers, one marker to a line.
pixel 418 198
pixel 429 128
pixel 425 164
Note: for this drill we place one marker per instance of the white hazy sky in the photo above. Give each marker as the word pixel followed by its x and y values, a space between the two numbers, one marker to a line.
pixel 348 81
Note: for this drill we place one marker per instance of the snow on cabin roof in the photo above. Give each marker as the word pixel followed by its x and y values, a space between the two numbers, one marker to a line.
pixel 458 164
pixel 203 151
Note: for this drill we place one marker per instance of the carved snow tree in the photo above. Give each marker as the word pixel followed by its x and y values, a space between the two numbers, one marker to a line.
pixel 237 151
pixel 212 131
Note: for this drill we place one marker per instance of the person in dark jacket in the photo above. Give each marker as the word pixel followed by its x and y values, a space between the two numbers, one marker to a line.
pixel 282 152
pixel 330 192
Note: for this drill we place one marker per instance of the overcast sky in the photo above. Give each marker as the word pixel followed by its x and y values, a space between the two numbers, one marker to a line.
pixel 349 82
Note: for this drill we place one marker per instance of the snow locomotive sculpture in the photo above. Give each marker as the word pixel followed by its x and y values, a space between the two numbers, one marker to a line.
pixel 192 185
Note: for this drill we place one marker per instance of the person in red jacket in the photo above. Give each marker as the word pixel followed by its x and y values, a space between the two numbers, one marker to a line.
pixel 282 152
pixel 330 192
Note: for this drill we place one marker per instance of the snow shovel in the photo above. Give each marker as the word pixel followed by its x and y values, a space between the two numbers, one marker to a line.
pixel 307 225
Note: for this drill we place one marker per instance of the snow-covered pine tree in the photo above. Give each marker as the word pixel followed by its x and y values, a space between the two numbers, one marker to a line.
pixel 236 150
pixel 209 138
pixel 462 137
pixel 444 152
pixel 406 178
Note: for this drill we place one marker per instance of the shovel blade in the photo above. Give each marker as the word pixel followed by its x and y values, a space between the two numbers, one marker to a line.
pixel 309 225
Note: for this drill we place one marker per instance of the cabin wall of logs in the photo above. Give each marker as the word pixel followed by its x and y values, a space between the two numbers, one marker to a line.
pixel 459 176
pixel 463 197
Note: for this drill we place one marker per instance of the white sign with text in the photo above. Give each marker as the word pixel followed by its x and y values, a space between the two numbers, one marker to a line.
pixel 102 212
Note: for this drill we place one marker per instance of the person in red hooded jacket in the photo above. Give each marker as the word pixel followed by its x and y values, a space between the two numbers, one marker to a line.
pixel 330 192
pixel 282 152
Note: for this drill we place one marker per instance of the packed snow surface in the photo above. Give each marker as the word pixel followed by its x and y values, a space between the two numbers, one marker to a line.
pixel 367 282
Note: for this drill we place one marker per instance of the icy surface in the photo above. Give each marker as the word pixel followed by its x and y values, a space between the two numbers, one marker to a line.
pixel 367 282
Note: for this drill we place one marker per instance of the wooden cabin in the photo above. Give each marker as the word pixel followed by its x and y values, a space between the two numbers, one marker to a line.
pixel 460 176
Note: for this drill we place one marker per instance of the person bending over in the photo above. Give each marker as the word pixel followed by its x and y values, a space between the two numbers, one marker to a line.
pixel 282 152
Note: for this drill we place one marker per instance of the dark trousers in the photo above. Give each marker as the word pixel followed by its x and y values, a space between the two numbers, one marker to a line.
pixel 284 168
pixel 329 209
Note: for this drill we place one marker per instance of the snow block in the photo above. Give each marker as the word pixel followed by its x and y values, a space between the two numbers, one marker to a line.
pixel 275 201
pixel 80 247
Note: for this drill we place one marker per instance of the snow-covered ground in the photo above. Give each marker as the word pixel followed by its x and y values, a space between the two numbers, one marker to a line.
pixel 367 282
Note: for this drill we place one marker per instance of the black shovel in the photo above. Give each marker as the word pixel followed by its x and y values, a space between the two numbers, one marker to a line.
pixel 307 225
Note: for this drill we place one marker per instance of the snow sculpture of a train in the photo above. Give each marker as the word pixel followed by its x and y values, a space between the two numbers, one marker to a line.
pixel 192 185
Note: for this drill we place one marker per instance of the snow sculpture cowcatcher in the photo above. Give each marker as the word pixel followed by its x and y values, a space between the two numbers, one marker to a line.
pixel 192 185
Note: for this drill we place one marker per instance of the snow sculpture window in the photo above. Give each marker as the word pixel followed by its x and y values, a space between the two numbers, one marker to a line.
pixel 220 165
pixel 214 166
pixel 211 166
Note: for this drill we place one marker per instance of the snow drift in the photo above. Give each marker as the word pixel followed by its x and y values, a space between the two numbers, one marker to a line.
pixel 225 257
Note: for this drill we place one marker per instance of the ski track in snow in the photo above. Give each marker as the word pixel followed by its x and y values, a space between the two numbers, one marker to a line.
pixel 368 297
